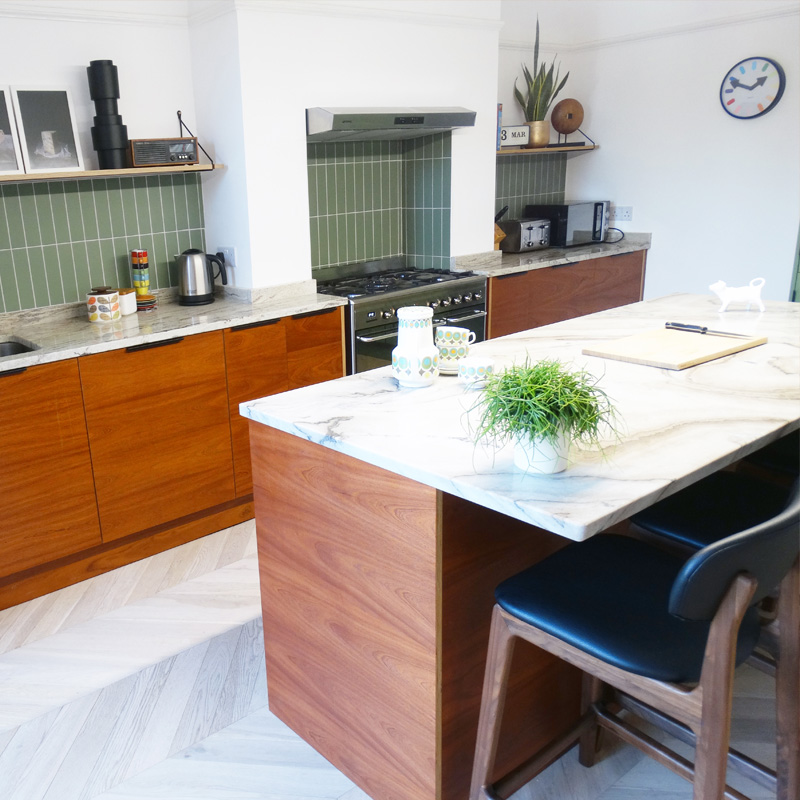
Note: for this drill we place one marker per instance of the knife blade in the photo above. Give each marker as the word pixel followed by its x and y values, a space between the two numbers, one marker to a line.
pixel 682 326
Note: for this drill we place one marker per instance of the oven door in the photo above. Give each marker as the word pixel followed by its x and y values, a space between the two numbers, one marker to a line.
pixel 373 348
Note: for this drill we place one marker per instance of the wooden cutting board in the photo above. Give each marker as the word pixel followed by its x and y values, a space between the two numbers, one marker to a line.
pixel 671 349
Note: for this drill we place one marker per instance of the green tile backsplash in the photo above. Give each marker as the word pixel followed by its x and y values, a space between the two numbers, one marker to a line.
pixel 525 179
pixel 374 200
pixel 60 238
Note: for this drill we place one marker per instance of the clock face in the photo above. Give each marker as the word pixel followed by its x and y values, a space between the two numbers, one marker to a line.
pixel 752 87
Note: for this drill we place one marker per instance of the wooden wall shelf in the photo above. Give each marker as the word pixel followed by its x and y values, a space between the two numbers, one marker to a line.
pixel 106 173
pixel 540 151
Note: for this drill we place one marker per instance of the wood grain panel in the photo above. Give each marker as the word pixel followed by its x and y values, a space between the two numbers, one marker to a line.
pixel 159 432
pixel 49 507
pixel 480 549
pixel 255 358
pixel 87 563
pixel 509 304
pixel 348 560
pixel 315 347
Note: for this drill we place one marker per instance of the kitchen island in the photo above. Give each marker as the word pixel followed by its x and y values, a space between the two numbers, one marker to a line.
pixel 383 530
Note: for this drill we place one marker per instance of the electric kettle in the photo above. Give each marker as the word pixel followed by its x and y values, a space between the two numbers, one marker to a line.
pixel 196 276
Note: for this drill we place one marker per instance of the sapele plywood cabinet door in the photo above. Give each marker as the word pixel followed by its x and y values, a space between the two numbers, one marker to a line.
pixel 315 347
pixel 255 356
pixel 49 508
pixel 159 432
pixel 509 304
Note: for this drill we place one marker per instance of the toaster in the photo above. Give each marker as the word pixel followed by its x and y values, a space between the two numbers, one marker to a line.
pixel 524 234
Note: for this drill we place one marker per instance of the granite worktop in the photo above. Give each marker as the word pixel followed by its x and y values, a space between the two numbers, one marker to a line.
pixel 497 263
pixel 61 332
pixel 675 427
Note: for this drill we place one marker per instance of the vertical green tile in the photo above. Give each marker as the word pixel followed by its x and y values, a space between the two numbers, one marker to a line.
pixel 5 242
pixel 359 203
pixel 22 270
pixel 351 233
pixel 116 276
pixel 128 199
pixel 73 210
pixel 115 211
pixel 141 204
pixel 8 282
pixel 313 203
pixel 154 204
pixel 313 237
pixel 185 241
pixel 102 209
pixel 30 220
pixel 160 261
pixel 340 256
pixel 88 213
pixel 173 248
pixel 69 280
pixel 98 275
pixel 194 201
pixel 340 173
pixel 44 213
pixel 168 202
pixel 52 271
pixel 369 236
pixel 83 274
pixel 16 232
pixel 330 188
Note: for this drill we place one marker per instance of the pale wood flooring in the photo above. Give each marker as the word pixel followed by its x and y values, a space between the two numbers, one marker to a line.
pixel 259 758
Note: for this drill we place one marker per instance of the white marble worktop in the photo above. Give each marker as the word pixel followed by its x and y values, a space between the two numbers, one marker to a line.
pixel 675 426
pixel 65 332
pixel 496 263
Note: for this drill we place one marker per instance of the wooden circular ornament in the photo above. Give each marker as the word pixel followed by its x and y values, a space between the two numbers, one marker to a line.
pixel 567 116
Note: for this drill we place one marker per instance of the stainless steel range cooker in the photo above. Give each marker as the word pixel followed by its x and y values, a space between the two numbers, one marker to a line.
pixel 377 289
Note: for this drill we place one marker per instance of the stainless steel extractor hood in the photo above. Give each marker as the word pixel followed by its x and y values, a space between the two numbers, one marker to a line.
pixel 366 124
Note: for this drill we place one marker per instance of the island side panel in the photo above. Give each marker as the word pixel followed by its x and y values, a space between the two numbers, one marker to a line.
pixel 348 569
pixel 481 548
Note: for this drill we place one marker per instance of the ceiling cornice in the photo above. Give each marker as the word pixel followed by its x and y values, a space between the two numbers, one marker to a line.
pixel 63 12
pixel 659 33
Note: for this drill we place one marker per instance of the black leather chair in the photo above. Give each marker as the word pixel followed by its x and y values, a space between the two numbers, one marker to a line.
pixel 652 632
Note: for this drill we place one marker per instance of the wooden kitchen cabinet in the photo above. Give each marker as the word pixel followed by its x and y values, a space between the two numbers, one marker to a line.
pixel 538 297
pixel 315 347
pixel 157 418
pixel 274 356
pixel 49 506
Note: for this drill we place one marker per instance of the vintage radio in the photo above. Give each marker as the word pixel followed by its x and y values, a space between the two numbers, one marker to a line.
pixel 163 152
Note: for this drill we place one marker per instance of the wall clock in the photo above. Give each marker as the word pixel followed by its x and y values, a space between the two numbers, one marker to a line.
pixel 752 87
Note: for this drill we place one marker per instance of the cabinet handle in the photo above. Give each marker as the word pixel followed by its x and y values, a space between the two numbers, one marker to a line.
pixel 260 324
pixel 17 371
pixel 135 348
pixel 568 264
pixel 315 313
pixel 512 275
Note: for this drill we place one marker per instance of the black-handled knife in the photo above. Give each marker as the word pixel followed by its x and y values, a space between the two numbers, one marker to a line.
pixel 682 326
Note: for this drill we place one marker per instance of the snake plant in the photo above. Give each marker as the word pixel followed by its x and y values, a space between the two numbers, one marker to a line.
pixel 542 86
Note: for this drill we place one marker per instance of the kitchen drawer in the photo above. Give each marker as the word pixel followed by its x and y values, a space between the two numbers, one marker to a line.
pixel 315 347
pixel 159 432
pixel 49 507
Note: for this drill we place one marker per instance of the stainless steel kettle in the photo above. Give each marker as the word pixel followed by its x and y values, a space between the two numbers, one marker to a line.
pixel 196 276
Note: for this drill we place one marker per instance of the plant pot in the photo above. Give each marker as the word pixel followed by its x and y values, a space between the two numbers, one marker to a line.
pixel 539 133
pixel 541 456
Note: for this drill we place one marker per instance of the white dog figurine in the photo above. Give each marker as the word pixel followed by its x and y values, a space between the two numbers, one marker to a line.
pixel 739 294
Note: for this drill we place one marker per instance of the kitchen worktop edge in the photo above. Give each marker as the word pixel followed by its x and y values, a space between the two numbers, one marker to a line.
pixel 60 336
pixel 496 264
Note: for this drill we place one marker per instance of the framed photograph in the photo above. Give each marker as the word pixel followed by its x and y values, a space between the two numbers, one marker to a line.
pixel 46 124
pixel 10 153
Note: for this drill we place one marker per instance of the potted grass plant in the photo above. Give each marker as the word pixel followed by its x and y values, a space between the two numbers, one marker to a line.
pixel 543 407
pixel 541 88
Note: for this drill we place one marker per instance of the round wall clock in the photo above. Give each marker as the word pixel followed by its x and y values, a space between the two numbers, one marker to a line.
pixel 752 87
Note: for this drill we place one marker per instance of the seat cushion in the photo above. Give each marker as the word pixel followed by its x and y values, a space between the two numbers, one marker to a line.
pixel 714 507
pixel 608 596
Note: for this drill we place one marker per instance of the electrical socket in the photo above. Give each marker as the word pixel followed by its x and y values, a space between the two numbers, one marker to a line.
pixel 230 255
pixel 621 213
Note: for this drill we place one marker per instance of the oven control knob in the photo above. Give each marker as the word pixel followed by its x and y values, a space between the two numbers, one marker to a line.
pixel 479 295
pixel 468 297
pixel 457 300
pixel 388 313
pixel 433 304
pixel 446 302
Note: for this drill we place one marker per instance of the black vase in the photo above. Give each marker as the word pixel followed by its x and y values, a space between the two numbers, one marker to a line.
pixel 109 135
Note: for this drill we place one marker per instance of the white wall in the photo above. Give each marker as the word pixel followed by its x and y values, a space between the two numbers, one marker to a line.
pixel 720 196
pixel 51 44
pixel 409 52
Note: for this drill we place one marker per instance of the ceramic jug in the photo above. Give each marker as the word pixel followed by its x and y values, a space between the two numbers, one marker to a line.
pixel 415 360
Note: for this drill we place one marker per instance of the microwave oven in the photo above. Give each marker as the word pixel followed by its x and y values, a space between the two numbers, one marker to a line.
pixel 573 223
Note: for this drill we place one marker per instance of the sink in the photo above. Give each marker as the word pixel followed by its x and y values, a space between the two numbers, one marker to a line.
pixel 13 346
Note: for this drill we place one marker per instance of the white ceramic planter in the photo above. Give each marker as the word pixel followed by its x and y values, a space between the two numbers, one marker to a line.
pixel 541 457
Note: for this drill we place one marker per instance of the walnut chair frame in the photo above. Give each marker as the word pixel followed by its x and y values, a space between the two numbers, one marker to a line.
pixel 699 712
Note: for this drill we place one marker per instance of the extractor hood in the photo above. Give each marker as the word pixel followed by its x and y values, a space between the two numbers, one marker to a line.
pixel 366 124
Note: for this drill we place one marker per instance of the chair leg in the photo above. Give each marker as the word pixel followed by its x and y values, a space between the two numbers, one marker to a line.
pixel 787 687
pixel 495 684
pixel 716 682
pixel 591 693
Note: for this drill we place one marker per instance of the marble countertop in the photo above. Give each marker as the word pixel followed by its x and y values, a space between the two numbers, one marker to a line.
pixel 496 263
pixel 64 331
pixel 675 426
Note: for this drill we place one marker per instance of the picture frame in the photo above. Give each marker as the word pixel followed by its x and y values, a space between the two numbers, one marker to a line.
pixel 46 125
pixel 10 153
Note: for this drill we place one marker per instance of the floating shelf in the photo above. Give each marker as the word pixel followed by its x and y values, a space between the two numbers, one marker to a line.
pixel 540 151
pixel 106 173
